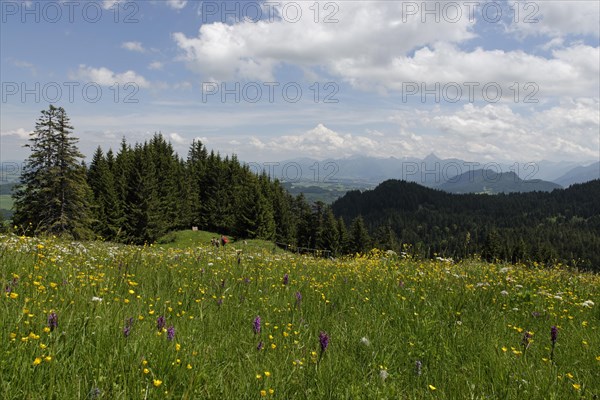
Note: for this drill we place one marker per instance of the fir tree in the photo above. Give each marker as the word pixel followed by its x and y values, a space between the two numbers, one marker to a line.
pixel 360 241
pixel 330 239
pixel 106 208
pixel 343 238
pixel 53 196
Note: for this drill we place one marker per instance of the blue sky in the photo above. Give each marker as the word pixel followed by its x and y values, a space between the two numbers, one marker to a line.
pixel 361 67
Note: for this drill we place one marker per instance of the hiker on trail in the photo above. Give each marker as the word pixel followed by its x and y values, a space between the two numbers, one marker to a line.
pixel 224 240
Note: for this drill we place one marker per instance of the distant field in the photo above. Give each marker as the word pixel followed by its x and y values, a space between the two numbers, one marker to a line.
pixel 323 191
pixel 6 202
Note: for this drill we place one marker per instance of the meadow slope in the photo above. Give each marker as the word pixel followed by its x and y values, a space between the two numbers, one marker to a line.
pixel 104 321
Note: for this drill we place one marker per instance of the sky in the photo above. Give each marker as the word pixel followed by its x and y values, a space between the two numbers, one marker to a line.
pixel 277 80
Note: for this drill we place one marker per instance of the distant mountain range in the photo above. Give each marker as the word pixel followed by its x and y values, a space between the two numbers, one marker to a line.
pixel 488 181
pixel 452 175
pixel 580 175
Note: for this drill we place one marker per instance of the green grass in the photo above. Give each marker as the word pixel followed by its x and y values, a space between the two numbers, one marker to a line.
pixel 194 239
pixel 463 322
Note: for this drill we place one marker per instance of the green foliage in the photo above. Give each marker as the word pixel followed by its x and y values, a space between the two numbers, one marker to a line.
pixel 360 241
pixel 53 196
pixel 146 191
pixel 491 247
pixel 106 209
pixel 560 226
pixel 331 236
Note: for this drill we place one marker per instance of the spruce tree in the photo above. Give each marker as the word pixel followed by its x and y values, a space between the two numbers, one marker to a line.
pixel 285 223
pixel 343 238
pixel 53 195
pixel 330 239
pixel 303 217
pixel 121 168
pixel 360 241
pixel 106 207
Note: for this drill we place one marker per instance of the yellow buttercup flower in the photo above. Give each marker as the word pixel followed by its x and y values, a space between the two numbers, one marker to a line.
pixel 37 361
pixel 157 382
pixel 431 387
pixel 263 393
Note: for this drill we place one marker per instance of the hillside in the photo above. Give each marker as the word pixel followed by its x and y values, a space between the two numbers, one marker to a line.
pixel 491 182
pixel 106 321
pixel 580 175
pixel 517 226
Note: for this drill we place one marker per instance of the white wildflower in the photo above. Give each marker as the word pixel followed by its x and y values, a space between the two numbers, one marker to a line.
pixel 365 341
pixel 588 303
pixel 383 374
pixel 504 293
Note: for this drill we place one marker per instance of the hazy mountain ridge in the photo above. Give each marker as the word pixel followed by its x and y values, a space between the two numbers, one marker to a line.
pixel 580 174
pixel 434 172
pixel 488 181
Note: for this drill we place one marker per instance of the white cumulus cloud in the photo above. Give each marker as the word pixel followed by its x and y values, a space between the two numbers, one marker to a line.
pixel 134 46
pixel 177 4
pixel 177 138
pixel 20 133
pixel 364 32
pixel 105 77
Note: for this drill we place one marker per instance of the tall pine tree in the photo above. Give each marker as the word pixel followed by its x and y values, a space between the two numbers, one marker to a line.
pixel 54 195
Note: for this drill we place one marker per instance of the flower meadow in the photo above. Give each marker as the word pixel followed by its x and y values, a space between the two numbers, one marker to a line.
pixel 104 321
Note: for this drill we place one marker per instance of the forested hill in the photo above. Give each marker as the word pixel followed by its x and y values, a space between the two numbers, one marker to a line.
pixel 562 225
pixel 491 182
